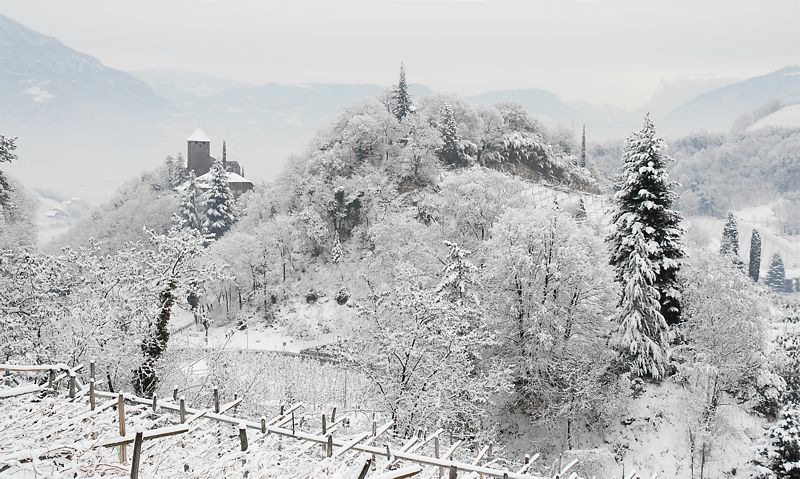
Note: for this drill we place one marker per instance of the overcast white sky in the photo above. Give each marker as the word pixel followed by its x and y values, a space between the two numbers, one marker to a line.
pixel 612 51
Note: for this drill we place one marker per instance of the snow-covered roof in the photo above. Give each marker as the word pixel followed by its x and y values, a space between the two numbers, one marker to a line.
pixel 199 135
pixel 232 178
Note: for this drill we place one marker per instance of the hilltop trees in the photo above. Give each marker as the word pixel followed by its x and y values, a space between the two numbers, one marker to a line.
pixel 7 155
pixel 730 238
pixel 754 270
pixel 776 274
pixel 219 202
pixel 401 100
pixel 582 163
pixel 644 219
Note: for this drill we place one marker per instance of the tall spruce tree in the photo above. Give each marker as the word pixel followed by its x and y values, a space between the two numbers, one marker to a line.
pixel 583 148
pixel 730 238
pixel 641 334
pixel 401 99
pixel 644 203
pixel 754 270
pixel 219 202
pixel 776 274
pixel 450 152
pixel 780 451
pixel 188 213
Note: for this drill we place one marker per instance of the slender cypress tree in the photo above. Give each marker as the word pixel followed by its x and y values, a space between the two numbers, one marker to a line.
pixel 755 256
pixel 776 275
pixel 583 148
pixel 401 99
pixel 644 203
pixel 224 153
pixel 219 202
pixel 730 238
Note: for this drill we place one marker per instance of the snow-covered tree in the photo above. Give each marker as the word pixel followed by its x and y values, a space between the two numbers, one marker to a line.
pixel 336 250
pixel 776 274
pixel 188 213
pixel 730 238
pixel 644 208
pixel 219 202
pixel 642 334
pixel 458 275
pixel 754 270
pixel 7 155
pixel 451 152
pixel 401 100
pixel 780 451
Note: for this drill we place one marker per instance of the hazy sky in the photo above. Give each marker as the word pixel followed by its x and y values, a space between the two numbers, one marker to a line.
pixel 612 51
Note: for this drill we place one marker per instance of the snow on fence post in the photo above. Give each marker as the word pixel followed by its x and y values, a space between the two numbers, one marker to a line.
pixel 92 400
pixel 243 436
pixel 121 409
pixel 182 405
pixel 216 399
pixel 91 369
pixel 137 454
pixel 72 384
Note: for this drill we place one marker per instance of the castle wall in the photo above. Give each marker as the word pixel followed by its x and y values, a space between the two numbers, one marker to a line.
pixel 199 157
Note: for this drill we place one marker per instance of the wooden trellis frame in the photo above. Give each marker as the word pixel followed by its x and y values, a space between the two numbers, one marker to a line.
pixel 284 425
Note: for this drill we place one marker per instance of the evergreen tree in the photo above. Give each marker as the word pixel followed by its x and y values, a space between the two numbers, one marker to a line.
pixel 644 203
pixel 755 256
pixel 7 155
pixel 336 250
pixel 780 453
pixel 776 275
pixel 219 202
pixel 451 152
pixel 459 276
pixel 580 213
pixel 224 153
pixel 730 238
pixel 188 214
pixel 583 148
pixel 401 100
pixel 641 333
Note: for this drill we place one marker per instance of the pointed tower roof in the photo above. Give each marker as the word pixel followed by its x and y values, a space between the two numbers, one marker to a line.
pixel 199 135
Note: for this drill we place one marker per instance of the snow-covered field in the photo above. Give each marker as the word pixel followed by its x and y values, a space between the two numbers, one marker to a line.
pixel 786 117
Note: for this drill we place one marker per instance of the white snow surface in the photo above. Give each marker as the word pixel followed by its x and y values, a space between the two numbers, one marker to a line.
pixel 786 117
pixel 199 135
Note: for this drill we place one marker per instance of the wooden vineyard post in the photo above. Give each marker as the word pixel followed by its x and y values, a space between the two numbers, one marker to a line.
pixel 51 379
pixel 72 384
pixel 155 402
pixel 436 454
pixel 263 425
pixel 216 399
pixel 183 409
pixel 123 453
pixel 91 369
pixel 137 454
pixel 453 472
pixel 243 436
pixel 92 400
pixel 329 448
pixel 175 394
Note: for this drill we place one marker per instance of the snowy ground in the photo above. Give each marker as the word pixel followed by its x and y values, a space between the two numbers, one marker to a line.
pixel 786 117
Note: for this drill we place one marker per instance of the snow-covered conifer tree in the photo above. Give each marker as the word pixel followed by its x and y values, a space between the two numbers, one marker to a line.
pixel 730 238
pixel 7 155
pixel 451 152
pixel 188 214
pixel 336 250
pixel 780 452
pixel 755 256
pixel 219 202
pixel 644 205
pixel 458 275
pixel 401 100
pixel 641 333
pixel 776 275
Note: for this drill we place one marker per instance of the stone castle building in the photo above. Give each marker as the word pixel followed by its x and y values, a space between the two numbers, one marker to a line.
pixel 199 159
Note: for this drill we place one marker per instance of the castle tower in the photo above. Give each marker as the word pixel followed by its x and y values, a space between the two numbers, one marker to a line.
pixel 199 154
